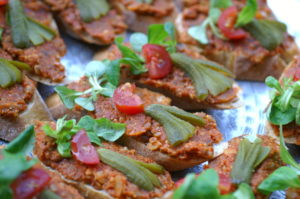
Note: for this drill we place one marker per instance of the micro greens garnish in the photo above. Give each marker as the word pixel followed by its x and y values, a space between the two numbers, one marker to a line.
pixel 285 100
pixel 206 186
pixel 103 78
pixel 199 32
pixel 159 34
pixel 96 128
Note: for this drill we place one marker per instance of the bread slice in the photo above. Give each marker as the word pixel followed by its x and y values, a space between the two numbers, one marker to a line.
pixel 93 182
pixel 36 110
pixel 184 101
pixel 209 132
pixel 139 22
pixel 247 60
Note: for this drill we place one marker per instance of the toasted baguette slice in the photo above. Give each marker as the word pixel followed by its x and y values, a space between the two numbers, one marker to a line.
pixel 290 131
pixel 177 86
pixel 139 21
pixel 101 31
pixel 201 147
pixel 44 59
pixel 100 181
pixel 247 59
pixel 36 110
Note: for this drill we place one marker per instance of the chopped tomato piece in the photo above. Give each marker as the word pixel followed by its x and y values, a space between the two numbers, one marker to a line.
pixel 297 74
pixel 158 61
pixel 126 101
pixel 226 24
pixel 30 183
pixel 83 150
pixel 3 2
pixel 225 185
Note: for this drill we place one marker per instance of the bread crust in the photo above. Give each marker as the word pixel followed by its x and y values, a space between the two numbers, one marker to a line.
pixel 139 23
pixel 36 110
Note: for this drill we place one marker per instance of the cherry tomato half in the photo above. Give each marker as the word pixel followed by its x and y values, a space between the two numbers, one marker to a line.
pixel 297 74
pixel 83 150
pixel 226 24
pixel 225 185
pixel 158 60
pixel 126 101
pixel 30 183
pixel 3 2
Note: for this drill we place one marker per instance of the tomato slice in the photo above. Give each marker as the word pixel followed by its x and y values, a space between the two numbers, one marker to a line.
pixel 83 150
pixel 30 183
pixel 3 2
pixel 226 24
pixel 126 101
pixel 225 185
pixel 297 74
pixel 158 60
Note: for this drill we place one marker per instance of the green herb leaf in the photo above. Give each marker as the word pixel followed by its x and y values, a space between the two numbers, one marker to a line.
pixel 285 156
pixel 181 191
pixel 22 144
pixel 103 78
pixel 281 179
pixel 208 77
pixel 86 103
pixel 249 156
pixel 176 122
pixel 247 14
pixel 204 186
pixel 109 130
pixel 220 3
pixel 137 41
pixel 92 9
pixel 199 32
pixel 277 117
pixel 131 58
pixel 244 191
pixel 103 128
pixel 269 33
pixel 273 83
pixel 164 35
pixel 67 95
pixel 285 101
pixel 63 134
pixel 26 31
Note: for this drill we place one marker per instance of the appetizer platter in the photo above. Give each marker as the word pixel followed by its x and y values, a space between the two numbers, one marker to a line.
pixel 172 99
